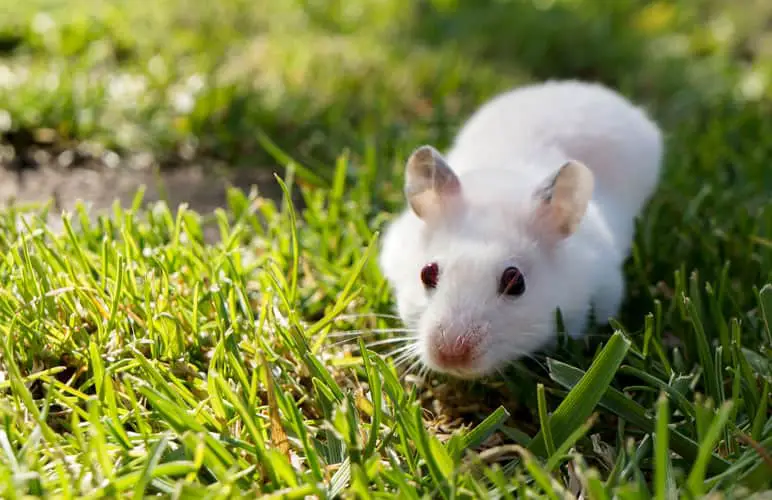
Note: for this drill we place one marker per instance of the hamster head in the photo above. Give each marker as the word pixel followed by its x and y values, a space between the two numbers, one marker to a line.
pixel 472 261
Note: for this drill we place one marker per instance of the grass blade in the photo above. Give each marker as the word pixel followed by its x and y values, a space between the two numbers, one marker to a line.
pixel 621 405
pixel 544 424
pixel 486 428
pixel 697 475
pixel 584 395
pixel 663 473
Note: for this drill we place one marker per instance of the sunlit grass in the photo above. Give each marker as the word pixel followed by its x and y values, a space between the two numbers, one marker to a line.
pixel 139 359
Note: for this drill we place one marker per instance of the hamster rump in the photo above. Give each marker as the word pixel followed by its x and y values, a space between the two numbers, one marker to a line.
pixel 531 210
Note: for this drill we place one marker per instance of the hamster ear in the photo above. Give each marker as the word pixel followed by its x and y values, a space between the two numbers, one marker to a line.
pixel 561 201
pixel 431 187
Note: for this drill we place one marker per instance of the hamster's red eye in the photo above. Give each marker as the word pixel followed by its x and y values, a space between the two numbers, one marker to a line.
pixel 430 274
pixel 512 282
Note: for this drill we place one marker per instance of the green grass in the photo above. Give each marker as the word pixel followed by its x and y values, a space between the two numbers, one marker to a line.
pixel 189 77
pixel 139 360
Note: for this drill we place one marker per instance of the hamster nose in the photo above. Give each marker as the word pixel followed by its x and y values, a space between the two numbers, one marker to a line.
pixel 454 351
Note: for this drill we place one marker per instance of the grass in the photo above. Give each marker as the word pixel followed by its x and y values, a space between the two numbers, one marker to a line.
pixel 139 360
pixel 184 78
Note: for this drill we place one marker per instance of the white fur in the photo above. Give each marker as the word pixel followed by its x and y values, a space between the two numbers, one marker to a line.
pixel 501 155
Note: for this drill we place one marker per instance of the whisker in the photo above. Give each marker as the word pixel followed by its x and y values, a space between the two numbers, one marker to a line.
pixel 411 368
pixel 404 357
pixel 368 331
pixel 374 343
pixel 542 365
pixel 409 350
pixel 388 341
pixel 366 315
pixel 596 336
pixel 423 373
pixel 398 350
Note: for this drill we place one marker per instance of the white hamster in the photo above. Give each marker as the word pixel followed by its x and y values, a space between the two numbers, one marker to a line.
pixel 532 209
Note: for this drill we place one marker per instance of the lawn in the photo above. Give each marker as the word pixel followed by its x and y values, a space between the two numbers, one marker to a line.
pixel 139 358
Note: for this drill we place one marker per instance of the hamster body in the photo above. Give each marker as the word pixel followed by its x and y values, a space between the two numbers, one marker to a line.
pixel 532 209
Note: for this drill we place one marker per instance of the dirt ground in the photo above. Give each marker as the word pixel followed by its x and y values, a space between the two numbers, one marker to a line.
pixel 201 185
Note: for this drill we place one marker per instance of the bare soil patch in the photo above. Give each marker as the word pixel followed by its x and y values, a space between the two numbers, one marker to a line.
pixel 202 185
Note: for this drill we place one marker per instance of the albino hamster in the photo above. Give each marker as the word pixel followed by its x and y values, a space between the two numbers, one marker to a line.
pixel 531 210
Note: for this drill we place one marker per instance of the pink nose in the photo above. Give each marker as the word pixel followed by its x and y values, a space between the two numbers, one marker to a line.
pixel 455 352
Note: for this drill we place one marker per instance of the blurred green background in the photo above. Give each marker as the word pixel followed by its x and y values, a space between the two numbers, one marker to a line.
pixel 199 84
pixel 197 79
